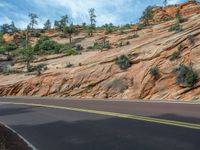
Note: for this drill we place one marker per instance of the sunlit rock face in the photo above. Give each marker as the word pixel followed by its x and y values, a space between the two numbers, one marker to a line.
pixel 101 77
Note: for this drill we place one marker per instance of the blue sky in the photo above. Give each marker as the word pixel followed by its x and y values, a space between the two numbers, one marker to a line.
pixel 116 11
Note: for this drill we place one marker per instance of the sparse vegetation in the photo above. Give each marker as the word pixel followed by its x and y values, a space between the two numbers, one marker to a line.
pixel 135 35
pixel 186 76
pixel 191 39
pixel 154 71
pixel 46 46
pixel 181 47
pixel 69 65
pixel 177 28
pixel 109 28
pixel 176 55
pixel 123 43
pixel 123 62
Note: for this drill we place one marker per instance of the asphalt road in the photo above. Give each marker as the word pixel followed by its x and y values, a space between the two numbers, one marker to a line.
pixel 55 124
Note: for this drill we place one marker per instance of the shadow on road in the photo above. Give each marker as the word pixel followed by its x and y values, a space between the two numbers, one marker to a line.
pixel 13 111
pixel 110 134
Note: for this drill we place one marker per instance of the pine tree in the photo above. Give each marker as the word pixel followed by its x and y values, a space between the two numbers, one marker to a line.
pixel 165 2
pixel 13 27
pixel 47 24
pixel 70 30
pixel 92 21
pixel 33 20
pixel 5 28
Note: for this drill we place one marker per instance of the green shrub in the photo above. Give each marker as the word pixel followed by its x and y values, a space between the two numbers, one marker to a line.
pixel 63 36
pixel 35 33
pixel 186 76
pixel 39 68
pixel 123 62
pixel 177 28
pixel 69 65
pixel 181 47
pixel 46 46
pixel 191 39
pixel 154 71
pixel 123 43
pixel 109 28
pixel 175 55
pixel 79 47
pixel 133 36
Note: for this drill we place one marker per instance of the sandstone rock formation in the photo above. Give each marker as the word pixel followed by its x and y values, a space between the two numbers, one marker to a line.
pixel 164 13
pixel 100 77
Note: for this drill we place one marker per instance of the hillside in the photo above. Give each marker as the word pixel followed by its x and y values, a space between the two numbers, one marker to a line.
pixel 95 74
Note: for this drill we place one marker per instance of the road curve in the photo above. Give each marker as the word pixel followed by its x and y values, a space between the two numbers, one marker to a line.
pixel 55 124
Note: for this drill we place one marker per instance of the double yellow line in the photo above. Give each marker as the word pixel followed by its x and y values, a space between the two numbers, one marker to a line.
pixel 119 115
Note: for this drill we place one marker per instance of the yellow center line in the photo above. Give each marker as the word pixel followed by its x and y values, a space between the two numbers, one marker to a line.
pixel 113 114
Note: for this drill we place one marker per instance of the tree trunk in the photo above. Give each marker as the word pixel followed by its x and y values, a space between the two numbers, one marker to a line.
pixel 70 39
pixel 28 66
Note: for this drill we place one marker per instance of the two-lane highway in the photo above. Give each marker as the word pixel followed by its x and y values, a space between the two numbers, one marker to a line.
pixel 63 124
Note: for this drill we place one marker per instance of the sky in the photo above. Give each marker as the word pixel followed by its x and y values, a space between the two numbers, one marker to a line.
pixel 118 12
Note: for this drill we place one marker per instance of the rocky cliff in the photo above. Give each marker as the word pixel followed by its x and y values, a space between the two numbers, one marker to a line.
pixel 101 77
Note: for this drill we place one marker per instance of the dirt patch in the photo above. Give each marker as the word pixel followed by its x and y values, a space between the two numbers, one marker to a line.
pixel 10 140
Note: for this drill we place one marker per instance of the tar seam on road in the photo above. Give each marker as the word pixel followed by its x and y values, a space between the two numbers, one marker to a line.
pixel 113 114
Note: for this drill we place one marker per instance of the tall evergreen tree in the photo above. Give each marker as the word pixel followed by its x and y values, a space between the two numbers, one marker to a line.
pixel 92 21
pixel 165 2
pixel 5 28
pixel 13 27
pixel 61 23
pixel 33 20
pixel 70 30
pixel 47 24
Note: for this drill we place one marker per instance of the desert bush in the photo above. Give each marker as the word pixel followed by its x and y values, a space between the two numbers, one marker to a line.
pixel 123 62
pixel 69 65
pixel 191 39
pixel 186 76
pixel 46 46
pixel 123 43
pixel 154 71
pixel 6 69
pixel 109 28
pixel 177 28
pixel 175 55
pixel 125 27
pixel 79 47
pixel 39 68
pixel 181 47
pixel 133 36
pixel 35 33
pixel 101 45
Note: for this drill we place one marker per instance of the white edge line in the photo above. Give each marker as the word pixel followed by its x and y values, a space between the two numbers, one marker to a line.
pixel 20 136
